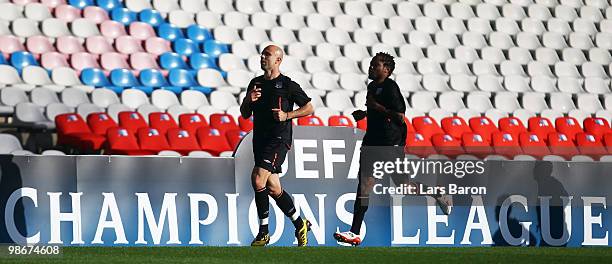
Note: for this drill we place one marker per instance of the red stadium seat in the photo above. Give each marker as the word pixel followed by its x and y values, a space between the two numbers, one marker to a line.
pixel 151 140
pixel 418 145
pixel 162 122
pixel 100 123
pixel 512 125
pixel 122 142
pixel 533 145
pixel 212 141
pixel 182 141
pixel 607 139
pixel 541 126
pixel 568 126
pixel 234 137
pixel 454 126
pixel 340 121
pixel 596 126
pixel 483 126
pixel 561 145
pixel 192 122
pixel 311 120
pixel 506 144
pixel 590 145
pixel 132 121
pixel 426 126
pixel 448 145
pixel 223 122
pixel 363 124
pixel 245 124
pixel 409 126
pixel 475 144
pixel 74 132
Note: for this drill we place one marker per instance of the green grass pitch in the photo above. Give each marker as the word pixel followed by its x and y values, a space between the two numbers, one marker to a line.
pixel 320 255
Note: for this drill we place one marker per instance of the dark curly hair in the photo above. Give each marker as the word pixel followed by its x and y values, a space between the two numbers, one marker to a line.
pixel 387 61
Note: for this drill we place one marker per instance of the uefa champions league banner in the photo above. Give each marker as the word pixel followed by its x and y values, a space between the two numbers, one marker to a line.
pixel 148 201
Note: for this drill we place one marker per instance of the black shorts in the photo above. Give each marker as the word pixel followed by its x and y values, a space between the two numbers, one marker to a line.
pixel 270 154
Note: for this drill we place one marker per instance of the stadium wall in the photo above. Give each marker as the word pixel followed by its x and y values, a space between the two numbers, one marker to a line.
pixel 147 201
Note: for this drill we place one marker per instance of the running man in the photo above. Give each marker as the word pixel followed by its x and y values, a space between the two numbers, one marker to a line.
pixel 386 127
pixel 270 100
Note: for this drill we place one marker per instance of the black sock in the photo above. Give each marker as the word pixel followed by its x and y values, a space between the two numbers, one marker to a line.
pixel 263 207
pixel 286 205
pixel 359 210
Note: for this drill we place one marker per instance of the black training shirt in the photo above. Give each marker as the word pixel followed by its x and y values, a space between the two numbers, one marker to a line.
pixel 279 92
pixel 381 130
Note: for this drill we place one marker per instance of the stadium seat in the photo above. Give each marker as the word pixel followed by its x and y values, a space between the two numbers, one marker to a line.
pixel 234 137
pixel 182 141
pixel 170 60
pixel 162 122
pixel 132 121
pixel 121 142
pixel 311 120
pixel 447 145
pixel 214 48
pixel 426 127
pixel 590 145
pixel 506 144
pixel 453 126
pixel 533 145
pixel 417 144
pixel 541 126
pixel 483 126
pixel 340 121
pixel 151 140
pixel 192 122
pixel 223 122
pixel 568 126
pixel 512 125
pixel 561 145
pixel 245 124
pixel 212 140
pixel 475 144
pixel 100 123
pixel 74 132
pixel 596 126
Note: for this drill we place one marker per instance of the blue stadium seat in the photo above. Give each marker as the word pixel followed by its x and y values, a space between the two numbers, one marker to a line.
pixel 3 60
pixel 123 15
pixel 152 78
pixel 108 5
pixel 182 78
pixel 185 47
pixel 171 60
pixel 123 78
pixel 169 32
pixel 198 33
pixel 94 77
pixel 201 60
pixel 151 17
pixel 81 3
pixel 21 59
pixel 215 48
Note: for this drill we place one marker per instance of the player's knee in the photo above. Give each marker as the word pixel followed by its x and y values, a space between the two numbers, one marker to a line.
pixel 275 191
pixel 258 181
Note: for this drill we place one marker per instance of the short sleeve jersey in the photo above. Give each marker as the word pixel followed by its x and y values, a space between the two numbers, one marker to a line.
pixel 381 130
pixel 282 93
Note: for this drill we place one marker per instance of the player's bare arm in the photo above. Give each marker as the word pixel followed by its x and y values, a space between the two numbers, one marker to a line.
pixel 281 116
